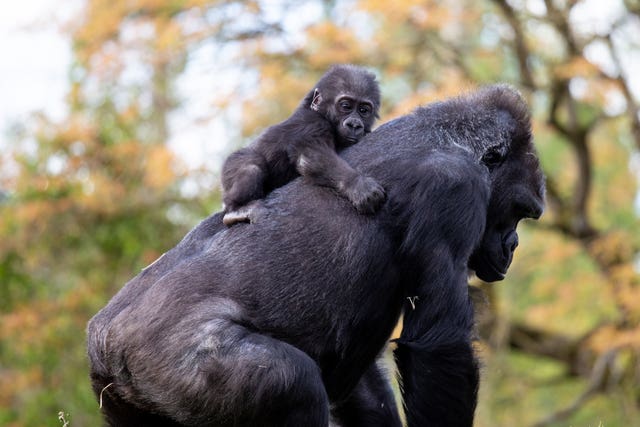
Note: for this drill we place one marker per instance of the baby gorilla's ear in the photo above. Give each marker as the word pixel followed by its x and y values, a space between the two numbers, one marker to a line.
pixel 317 99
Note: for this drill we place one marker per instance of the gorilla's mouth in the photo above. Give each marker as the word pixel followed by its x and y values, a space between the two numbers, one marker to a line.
pixel 486 268
pixel 499 272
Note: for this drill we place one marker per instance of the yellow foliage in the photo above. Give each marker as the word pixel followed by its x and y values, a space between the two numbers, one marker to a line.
pixel 540 314
pixel 126 153
pixel 399 61
pixel 600 90
pixel 614 184
pixel 333 45
pixel 29 325
pixel 25 321
pixel 158 173
pixel 629 298
pixel 612 248
pixel 431 18
pixel 609 337
pixel 169 35
pixel 14 382
pixel 389 10
pixel 579 66
pixel 102 22
pixel 272 105
pixel 77 128
pixel 454 85
pixel 102 194
pixel 426 15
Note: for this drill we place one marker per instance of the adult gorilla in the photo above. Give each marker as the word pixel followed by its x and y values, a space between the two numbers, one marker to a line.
pixel 279 323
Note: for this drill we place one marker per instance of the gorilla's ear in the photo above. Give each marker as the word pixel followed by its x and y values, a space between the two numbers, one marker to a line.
pixel 317 99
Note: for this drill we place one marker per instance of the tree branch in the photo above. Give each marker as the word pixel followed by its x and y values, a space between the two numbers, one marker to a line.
pixel 576 135
pixel 520 45
pixel 633 108
pixel 597 383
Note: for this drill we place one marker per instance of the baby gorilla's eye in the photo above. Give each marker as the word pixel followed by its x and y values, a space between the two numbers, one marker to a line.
pixel 364 110
pixel 345 105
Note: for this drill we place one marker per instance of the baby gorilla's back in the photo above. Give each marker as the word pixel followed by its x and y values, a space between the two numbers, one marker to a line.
pixel 338 112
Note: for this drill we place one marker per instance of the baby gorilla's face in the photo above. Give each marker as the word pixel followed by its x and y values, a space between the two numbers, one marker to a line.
pixel 354 118
pixel 349 97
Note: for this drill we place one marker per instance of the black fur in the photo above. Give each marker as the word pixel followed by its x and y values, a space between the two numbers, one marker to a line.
pixel 290 336
pixel 337 113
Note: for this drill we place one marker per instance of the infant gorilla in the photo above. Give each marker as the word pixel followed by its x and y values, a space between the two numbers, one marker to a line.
pixel 336 114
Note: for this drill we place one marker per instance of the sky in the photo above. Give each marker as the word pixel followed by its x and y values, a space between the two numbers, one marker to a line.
pixel 34 62
pixel 34 59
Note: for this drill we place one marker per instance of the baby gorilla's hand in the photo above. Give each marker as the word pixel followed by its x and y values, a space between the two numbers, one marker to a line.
pixel 365 194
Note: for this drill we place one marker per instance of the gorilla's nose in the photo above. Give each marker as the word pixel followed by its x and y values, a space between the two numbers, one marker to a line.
pixel 510 242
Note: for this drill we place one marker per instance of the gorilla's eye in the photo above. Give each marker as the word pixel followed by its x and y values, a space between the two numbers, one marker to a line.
pixel 364 110
pixel 492 158
pixel 345 105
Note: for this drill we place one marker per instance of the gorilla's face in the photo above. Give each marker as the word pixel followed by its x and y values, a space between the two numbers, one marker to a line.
pixel 517 192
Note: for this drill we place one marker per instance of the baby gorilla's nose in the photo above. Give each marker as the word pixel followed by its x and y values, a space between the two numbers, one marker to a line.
pixel 354 125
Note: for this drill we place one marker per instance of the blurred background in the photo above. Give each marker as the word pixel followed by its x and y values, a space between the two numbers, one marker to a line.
pixel 115 116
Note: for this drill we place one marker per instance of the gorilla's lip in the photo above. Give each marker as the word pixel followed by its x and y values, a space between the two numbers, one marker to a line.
pixel 498 272
pixel 490 268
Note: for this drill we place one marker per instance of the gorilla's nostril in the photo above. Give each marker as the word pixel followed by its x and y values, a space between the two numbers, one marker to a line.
pixel 510 241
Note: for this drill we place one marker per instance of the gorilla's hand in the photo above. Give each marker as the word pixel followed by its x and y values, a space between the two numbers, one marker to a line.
pixel 365 194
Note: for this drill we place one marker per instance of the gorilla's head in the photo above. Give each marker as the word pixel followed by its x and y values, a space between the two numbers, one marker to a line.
pixel 517 182
pixel 349 97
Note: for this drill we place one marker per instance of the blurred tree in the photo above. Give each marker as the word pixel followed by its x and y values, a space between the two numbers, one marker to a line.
pixel 89 201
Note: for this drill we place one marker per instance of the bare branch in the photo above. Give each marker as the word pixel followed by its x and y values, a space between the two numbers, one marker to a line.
pixel 554 198
pixel 520 46
pixel 597 383
pixel 633 108
pixel 576 136
pixel 560 20
pixel 633 6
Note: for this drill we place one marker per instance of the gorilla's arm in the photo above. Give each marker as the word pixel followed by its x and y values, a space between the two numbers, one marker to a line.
pixel 435 359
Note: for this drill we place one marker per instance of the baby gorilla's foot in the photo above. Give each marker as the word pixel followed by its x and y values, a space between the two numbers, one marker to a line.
pixel 234 217
pixel 249 213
